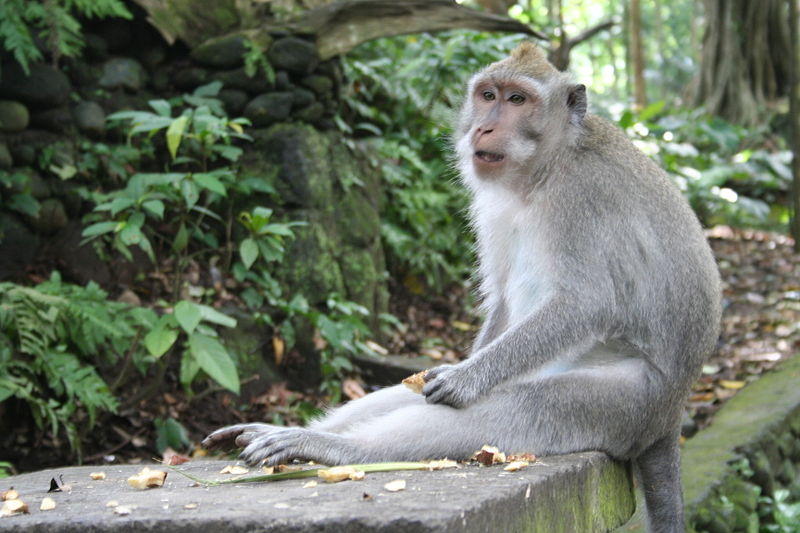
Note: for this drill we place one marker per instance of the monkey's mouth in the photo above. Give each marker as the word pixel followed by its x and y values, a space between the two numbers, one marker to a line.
pixel 488 157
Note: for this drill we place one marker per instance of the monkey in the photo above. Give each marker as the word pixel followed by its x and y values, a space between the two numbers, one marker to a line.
pixel 600 292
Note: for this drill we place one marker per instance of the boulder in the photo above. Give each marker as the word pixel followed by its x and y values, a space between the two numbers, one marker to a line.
pixel 123 73
pixel 14 116
pixel 293 54
pixel 222 52
pixel 6 161
pixel 269 108
pixel 43 87
pixel 89 118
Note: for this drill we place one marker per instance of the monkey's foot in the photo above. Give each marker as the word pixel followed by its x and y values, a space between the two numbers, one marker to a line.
pixel 284 444
pixel 236 436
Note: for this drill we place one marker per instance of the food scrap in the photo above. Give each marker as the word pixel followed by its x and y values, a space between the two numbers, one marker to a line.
pixel 147 479
pixel 396 485
pixel 489 455
pixel 416 382
pixel 340 473
pixel 47 504
pixel 10 494
pixel 13 507
pixel 515 465
pixel 234 469
pixel 97 476
pixel 442 464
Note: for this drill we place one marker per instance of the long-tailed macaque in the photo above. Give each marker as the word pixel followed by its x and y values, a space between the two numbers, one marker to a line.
pixel 600 291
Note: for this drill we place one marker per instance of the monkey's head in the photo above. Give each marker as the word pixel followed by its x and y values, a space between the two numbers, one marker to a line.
pixel 516 112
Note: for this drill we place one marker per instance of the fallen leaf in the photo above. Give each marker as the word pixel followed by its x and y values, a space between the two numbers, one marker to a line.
pixel 377 348
pixel 462 326
pixel 278 348
pixel 47 504
pixel 735 385
pixel 396 485
pixel 171 457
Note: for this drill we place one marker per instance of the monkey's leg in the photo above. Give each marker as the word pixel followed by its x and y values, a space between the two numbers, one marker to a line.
pixel 363 409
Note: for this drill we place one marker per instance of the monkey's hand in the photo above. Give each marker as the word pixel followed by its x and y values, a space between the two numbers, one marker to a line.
pixel 237 436
pixel 452 385
pixel 284 444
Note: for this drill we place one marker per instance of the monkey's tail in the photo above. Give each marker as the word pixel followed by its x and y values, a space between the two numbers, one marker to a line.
pixel 659 475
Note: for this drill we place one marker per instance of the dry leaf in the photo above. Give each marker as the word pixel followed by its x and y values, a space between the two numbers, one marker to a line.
pixel 340 473
pixel 13 507
pixel 377 348
pixel 147 479
pixel 396 485
pixel 441 464
pixel 171 457
pixel 47 504
pixel 9 495
pixel 97 476
pixel 489 455
pixel 515 465
pixel 462 326
pixel 235 470
pixel 278 348
pixel 416 382
pixel 735 385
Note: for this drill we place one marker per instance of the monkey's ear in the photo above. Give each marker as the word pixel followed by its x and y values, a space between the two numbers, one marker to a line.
pixel 576 102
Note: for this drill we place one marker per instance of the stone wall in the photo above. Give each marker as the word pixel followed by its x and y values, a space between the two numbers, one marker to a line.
pixel 48 117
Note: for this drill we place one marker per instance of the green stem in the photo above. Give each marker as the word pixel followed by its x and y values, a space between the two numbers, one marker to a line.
pixel 301 474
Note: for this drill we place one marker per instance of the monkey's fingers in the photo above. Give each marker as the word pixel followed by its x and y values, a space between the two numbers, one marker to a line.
pixel 227 438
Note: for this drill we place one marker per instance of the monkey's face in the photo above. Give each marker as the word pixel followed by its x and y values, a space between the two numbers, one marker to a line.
pixel 498 133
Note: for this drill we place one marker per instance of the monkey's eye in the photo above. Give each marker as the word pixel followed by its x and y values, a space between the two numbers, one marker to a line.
pixel 516 99
pixel 488 96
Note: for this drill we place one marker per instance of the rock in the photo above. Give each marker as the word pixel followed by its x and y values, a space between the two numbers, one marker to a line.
pixel 269 108
pixel 6 160
pixel 58 119
pixel 238 79
pixel 293 54
pixel 123 73
pixel 96 48
pixel 80 73
pixel 153 56
pixel 301 98
pixel 14 116
pixel 52 217
pixel 43 87
pixel 221 52
pixel 34 184
pixel 23 154
pixel 89 118
pixel 321 85
pixel 311 114
pixel 282 81
pixel 18 246
pixel 234 100
pixel 190 78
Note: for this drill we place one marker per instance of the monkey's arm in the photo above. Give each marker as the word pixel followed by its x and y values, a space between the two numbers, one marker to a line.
pixel 491 328
pixel 561 329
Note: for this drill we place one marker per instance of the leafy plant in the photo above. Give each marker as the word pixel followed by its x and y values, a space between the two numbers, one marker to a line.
pixel 15 194
pixel 781 511
pixel 53 21
pixel 6 469
pixel 50 338
pixel 170 434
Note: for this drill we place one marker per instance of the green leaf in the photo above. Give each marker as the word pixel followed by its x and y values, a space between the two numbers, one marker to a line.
pixel 189 370
pixel 189 192
pixel 99 229
pixel 181 239
pixel 24 203
pixel 209 314
pixel 161 337
pixel 248 250
pixel 188 315
pixel 175 134
pixel 210 182
pixel 130 234
pixel 162 107
pixel 214 359
pixel 154 207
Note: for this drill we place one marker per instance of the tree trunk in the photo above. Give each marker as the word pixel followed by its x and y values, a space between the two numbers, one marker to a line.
pixel 637 56
pixel 744 65
pixel 794 114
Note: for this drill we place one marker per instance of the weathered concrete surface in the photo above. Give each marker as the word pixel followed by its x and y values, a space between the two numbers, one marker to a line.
pixel 579 493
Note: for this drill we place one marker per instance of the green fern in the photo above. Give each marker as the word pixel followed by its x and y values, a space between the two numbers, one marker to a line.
pixel 50 337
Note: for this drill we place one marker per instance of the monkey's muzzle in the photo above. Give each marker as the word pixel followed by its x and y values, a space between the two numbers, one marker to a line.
pixel 488 157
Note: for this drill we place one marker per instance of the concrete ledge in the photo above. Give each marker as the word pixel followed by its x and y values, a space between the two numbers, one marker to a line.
pixel 580 493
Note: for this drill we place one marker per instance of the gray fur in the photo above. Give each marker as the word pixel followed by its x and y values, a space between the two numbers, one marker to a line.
pixel 602 299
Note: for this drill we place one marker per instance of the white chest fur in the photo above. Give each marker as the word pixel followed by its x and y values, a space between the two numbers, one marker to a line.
pixel 513 264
